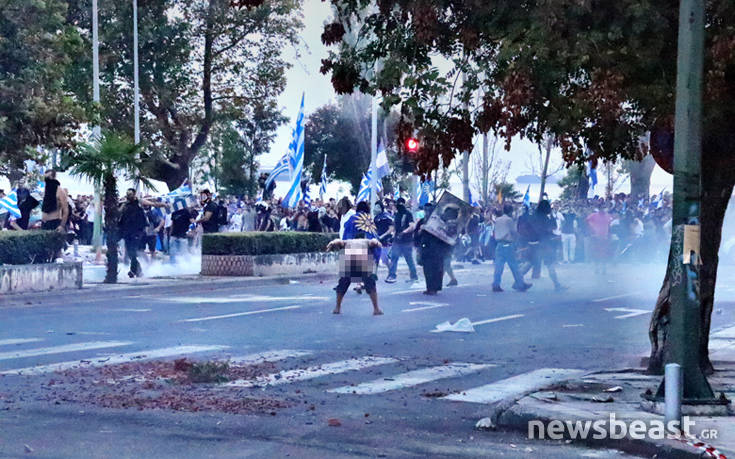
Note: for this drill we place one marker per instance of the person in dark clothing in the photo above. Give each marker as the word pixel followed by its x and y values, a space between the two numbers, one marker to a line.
pixel 434 251
pixel 402 243
pixel 313 223
pixel 181 218
pixel 263 220
pixel 529 242
pixel 208 219
pixel 384 224
pixel 132 230
pixel 544 225
pixel 55 207
pixel 26 204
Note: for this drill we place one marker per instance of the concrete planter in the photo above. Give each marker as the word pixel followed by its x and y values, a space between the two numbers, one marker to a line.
pixel 40 278
pixel 268 265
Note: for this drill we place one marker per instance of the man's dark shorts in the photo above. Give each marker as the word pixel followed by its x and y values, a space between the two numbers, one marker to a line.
pixel 368 280
pixel 51 225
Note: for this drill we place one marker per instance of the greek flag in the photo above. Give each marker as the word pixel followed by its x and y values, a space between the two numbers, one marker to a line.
pixel 10 204
pixel 381 162
pixel 294 194
pixel 282 166
pixel 323 186
pixel 397 194
pixel 527 197
pixel 364 193
pixel 307 197
pixel 426 188
pixel 473 203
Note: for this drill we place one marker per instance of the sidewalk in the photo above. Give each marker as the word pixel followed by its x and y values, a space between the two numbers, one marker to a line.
pixel 597 396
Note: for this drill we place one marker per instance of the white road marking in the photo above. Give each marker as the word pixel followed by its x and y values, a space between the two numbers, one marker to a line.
pixel 572 325
pixel 243 299
pixel 515 386
pixel 303 374
pixel 426 305
pixel 497 319
pixel 115 359
pixel 268 356
pixel 62 349
pixel 412 378
pixel 624 295
pixel 130 310
pixel 632 312
pixel 240 314
pixel 718 344
pixel 11 341
pixel 725 333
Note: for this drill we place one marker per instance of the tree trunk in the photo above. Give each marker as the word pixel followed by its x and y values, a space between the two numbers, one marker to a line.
pixel 640 177
pixel 111 226
pixel 716 192
pixel 485 171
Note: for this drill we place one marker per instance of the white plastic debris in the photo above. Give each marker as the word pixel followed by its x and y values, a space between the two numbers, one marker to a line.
pixel 614 389
pixel 485 424
pixel 463 325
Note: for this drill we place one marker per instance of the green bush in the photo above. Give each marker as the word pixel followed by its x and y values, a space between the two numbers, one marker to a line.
pixel 265 243
pixel 26 247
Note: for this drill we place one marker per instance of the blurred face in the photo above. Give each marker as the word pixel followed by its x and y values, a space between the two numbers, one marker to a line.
pixel 203 198
pixel 50 174
pixel 130 195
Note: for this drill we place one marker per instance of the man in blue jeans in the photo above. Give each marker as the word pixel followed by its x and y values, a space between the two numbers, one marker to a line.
pixel 402 243
pixel 505 252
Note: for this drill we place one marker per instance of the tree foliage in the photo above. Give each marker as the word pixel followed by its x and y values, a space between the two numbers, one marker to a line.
pixel 36 110
pixel 201 62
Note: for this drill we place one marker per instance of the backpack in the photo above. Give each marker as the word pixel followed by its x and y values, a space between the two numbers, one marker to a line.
pixel 221 216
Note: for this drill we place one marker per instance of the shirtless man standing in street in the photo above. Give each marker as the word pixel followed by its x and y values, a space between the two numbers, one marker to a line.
pixel 55 208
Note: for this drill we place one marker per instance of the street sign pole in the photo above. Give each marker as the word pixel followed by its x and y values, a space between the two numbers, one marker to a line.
pixel 96 133
pixel 685 263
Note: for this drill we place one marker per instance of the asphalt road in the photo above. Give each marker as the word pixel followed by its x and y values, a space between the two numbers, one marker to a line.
pixel 396 387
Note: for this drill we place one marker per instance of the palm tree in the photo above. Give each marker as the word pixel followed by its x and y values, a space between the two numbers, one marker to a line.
pixel 102 162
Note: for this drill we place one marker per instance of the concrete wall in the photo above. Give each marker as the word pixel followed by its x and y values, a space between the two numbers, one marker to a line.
pixel 269 265
pixel 40 278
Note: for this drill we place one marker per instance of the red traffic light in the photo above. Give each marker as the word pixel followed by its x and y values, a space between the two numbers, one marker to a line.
pixel 412 145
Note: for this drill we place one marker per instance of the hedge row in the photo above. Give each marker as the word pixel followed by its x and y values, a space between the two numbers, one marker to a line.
pixel 26 247
pixel 265 243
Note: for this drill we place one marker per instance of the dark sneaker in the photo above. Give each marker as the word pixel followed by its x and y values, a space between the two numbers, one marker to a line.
pixel 390 280
pixel 496 288
pixel 131 274
pixel 522 288
pixel 452 283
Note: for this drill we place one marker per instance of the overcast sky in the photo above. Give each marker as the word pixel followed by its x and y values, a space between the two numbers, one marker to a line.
pixel 304 76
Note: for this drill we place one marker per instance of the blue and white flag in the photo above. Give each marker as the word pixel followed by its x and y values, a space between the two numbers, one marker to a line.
pixel 527 197
pixel 396 194
pixel 307 197
pixel 364 193
pixel 593 176
pixel 323 186
pixel 426 189
pixel 473 203
pixel 381 162
pixel 294 194
pixel 10 204
pixel 282 166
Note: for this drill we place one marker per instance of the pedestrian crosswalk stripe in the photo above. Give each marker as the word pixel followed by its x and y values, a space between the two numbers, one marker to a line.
pixel 412 378
pixel 11 341
pixel 115 359
pixel 240 314
pixel 62 349
pixel 303 374
pixel 515 386
pixel 268 356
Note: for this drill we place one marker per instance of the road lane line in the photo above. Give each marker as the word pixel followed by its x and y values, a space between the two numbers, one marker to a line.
pixel 515 386
pixel 428 305
pixel 412 378
pixel 724 333
pixel 130 310
pixel 11 341
pixel 719 344
pixel 632 312
pixel 624 295
pixel 303 374
pixel 115 359
pixel 243 299
pixel 268 356
pixel 239 314
pixel 497 319
pixel 62 349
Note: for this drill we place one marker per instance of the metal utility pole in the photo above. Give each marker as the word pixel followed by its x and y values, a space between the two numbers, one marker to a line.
pixel 465 162
pixel 136 90
pixel 373 152
pixel 96 132
pixel 684 262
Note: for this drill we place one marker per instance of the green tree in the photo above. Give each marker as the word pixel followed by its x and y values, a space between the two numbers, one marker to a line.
pixel 593 74
pixel 201 62
pixel 36 110
pixel 574 185
pixel 102 162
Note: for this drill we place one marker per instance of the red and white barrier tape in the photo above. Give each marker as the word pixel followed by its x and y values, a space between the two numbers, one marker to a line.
pixel 708 450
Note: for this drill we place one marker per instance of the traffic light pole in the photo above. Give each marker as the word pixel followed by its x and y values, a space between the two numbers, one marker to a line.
pixel 684 262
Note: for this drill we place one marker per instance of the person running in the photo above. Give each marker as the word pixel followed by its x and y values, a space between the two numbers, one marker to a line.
pixel 359 226
pixel 544 226
pixel 55 207
pixel 132 230
pixel 402 243
pixel 433 254
pixel 506 235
